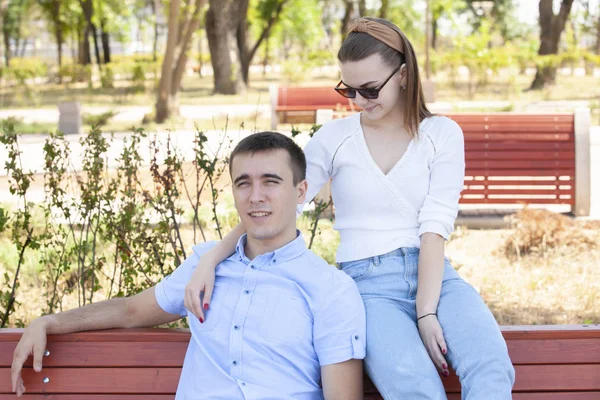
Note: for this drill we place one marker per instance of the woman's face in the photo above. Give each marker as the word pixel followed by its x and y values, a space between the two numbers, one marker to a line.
pixel 372 72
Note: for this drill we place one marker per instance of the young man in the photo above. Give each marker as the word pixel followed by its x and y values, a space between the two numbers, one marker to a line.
pixel 282 324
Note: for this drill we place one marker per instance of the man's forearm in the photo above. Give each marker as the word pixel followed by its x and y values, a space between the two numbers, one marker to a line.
pixel 113 313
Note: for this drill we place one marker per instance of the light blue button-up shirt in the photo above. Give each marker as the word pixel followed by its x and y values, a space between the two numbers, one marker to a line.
pixel 273 322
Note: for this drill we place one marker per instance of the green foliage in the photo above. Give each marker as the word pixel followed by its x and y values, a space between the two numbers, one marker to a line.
pixel 98 120
pixel 24 69
pixel 22 232
pixel 75 73
pixel 107 77
pixel 100 234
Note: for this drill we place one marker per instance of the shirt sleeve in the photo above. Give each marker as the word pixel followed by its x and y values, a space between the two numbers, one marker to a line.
pixel 440 207
pixel 170 291
pixel 317 166
pixel 339 328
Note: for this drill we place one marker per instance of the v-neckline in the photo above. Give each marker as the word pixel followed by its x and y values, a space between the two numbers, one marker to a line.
pixel 371 160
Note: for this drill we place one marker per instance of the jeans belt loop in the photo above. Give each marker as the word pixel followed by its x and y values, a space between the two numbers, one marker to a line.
pixel 376 260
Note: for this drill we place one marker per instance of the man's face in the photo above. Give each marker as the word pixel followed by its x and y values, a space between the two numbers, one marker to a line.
pixel 265 195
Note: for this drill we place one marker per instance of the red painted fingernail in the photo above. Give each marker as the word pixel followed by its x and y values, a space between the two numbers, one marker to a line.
pixel 206 306
pixel 446 374
pixel 444 366
pixel 201 321
pixel 444 351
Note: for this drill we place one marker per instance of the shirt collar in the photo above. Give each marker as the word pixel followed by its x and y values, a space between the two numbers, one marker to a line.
pixel 291 250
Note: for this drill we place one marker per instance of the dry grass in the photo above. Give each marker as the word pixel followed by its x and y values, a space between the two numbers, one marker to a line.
pixel 540 231
pixel 559 285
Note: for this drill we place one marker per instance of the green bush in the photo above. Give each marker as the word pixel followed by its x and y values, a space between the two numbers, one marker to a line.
pixel 138 79
pixel 76 73
pixel 98 120
pixel 24 69
pixel 107 77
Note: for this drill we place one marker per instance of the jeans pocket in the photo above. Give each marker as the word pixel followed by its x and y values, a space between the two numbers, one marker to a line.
pixel 358 270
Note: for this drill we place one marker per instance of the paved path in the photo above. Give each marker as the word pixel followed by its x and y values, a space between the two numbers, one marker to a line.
pixel 32 156
pixel 135 114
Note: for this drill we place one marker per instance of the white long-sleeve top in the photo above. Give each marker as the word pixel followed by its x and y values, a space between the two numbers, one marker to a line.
pixel 375 212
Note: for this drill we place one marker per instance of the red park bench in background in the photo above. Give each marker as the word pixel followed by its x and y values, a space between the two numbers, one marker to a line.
pixel 551 363
pixel 511 158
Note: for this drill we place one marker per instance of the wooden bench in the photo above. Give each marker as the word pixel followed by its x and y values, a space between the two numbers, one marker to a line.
pixel 551 363
pixel 537 159
pixel 295 105
pixel 511 158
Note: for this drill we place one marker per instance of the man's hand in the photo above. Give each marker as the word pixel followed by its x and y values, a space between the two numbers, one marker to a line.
pixel 433 339
pixel 202 280
pixel 33 342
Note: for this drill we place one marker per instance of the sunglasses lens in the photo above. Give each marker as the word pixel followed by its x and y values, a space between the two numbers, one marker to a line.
pixel 346 92
pixel 369 93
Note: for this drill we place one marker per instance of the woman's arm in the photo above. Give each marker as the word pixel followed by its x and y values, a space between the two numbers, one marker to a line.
pixel 203 278
pixel 431 272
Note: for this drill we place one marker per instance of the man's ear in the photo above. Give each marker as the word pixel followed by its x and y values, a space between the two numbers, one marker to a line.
pixel 302 188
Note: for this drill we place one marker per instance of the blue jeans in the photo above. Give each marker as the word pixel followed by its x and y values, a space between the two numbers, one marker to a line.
pixel 397 361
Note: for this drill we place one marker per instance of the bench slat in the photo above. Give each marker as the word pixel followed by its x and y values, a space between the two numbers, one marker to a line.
pixel 96 397
pixel 519 137
pixel 526 396
pixel 529 378
pixel 570 172
pixel 494 154
pixel 104 354
pixel 109 335
pixel 520 192
pixel 518 146
pixel 97 380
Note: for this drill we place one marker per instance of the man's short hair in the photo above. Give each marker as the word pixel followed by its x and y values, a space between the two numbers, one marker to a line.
pixel 269 141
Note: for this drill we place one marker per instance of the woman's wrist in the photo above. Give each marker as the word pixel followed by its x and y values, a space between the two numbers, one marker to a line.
pixel 426 315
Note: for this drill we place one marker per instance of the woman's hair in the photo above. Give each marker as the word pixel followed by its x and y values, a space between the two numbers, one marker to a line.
pixel 360 45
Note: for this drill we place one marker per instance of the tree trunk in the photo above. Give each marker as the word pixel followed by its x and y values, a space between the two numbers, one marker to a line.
pixel 7 52
pixel 96 47
pixel 3 7
pixel 434 32
pixel 86 7
pixel 241 37
pixel 191 26
pixel 200 56
pixel 248 56
pixel 348 14
pixel 266 59
pixel 163 101
pixel 58 29
pixel 598 36
pixel 155 4
pixel 362 8
pixel 221 32
pixel 105 42
pixel 551 28
pixel 385 5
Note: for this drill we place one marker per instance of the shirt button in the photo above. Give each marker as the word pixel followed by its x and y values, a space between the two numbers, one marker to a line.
pixel 247 291
pixel 243 383
pixel 356 337
pixel 234 363
pixel 253 267
pixel 237 328
pixel 274 261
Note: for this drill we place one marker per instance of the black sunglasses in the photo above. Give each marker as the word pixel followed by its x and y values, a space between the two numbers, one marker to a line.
pixel 370 93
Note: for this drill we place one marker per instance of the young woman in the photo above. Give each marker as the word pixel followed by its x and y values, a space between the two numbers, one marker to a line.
pixel 397 172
